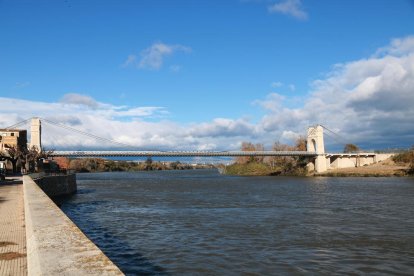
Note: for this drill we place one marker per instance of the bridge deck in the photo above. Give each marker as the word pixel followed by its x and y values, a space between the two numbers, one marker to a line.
pixel 357 154
pixel 178 153
pixel 200 153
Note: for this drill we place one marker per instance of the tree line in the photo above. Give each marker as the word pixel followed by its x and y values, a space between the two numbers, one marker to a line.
pixel 27 158
pixel 104 165
pixel 270 165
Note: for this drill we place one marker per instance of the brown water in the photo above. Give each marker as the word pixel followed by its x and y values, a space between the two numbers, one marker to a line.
pixel 200 222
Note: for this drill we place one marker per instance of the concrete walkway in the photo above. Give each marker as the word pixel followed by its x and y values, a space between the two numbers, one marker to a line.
pixel 12 228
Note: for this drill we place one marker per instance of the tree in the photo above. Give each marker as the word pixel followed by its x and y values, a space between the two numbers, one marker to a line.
pixel 32 158
pixel 349 148
pixel 281 162
pixel 259 147
pixel 148 163
pixel 175 165
pixel 247 146
pixel 301 144
pixel 13 154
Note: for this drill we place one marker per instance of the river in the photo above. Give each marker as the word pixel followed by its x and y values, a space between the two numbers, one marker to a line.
pixel 201 222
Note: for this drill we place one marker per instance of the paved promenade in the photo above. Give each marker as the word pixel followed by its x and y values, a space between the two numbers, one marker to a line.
pixel 12 228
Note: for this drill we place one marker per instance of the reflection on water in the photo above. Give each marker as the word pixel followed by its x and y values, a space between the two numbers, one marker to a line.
pixel 201 222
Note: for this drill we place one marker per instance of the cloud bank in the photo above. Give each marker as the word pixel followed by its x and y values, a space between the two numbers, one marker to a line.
pixel 368 101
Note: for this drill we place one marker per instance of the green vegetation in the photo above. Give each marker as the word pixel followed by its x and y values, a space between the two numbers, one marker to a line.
pixel 251 168
pixel 102 165
pixel 404 158
pixel 270 165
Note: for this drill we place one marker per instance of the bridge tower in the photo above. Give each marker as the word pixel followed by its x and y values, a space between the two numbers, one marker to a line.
pixel 36 134
pixel 315 144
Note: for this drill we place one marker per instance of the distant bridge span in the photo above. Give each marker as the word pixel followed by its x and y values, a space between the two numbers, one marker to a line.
pixel 319 160
pixel 179 153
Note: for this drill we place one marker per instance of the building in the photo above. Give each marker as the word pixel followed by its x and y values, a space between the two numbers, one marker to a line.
pixel 13 138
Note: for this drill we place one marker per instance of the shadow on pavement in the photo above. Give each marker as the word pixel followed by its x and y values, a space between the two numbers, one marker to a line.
pixel 11 181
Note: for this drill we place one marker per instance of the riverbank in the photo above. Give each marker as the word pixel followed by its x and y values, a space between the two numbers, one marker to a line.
pixel 82 165
pixel 383 169
pixel 250 169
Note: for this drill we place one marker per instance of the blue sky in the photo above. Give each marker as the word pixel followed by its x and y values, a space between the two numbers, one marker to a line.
pixel 213 69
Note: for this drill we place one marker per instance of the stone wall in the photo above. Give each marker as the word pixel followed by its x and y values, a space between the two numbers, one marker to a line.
pixel 342 162
pixel 353 161
pixel 339 161
pixel 56 185
pixel 55 245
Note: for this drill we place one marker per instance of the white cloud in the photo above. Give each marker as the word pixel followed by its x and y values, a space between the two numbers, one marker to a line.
pixel 128 125
pixel 223 127
pixel 398 47
pixel 290 135
pixel 276 84
pixel 146 111
pixel 371 101
pixel 153 57
pixel 289 7
pixel 79 99
pixel 273 102
pixel 20 85
pixel 131 60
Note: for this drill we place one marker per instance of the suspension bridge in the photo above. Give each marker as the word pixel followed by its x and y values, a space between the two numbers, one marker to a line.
pixel 179 153
pixel 320 161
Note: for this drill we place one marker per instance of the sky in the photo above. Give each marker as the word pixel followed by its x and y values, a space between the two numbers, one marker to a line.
pixel 208 75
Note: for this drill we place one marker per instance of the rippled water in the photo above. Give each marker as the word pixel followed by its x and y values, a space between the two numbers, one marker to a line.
pixel 200 222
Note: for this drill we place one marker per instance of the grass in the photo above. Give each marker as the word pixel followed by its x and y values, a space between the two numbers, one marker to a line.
pixel 251 169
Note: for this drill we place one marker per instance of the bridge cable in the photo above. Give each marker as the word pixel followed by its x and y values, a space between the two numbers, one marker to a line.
pixel 86 133
pixel 340 139
pixel 18 124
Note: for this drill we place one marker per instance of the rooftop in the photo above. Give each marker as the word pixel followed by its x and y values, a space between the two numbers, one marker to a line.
pixel 11 130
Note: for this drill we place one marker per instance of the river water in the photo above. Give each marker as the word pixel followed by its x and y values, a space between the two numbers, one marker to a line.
pixel 200 222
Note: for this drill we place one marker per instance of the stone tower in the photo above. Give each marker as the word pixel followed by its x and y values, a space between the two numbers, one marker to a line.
pixel 36 134
pixel 315 144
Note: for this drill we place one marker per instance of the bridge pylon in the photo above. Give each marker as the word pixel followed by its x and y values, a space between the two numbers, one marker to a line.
pixel 36 134
pixel 316 144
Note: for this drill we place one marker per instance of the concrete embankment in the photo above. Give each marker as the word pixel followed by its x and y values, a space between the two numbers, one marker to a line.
pixel 56 185
pixel 55 245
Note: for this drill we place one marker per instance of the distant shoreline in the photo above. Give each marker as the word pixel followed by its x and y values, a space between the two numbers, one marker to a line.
pixel 375 170
pixel 382 169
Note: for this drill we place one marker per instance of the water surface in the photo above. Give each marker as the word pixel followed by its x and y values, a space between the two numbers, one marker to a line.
pixel 201 222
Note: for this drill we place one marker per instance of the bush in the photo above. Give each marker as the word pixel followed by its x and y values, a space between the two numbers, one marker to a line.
pixel 406 157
